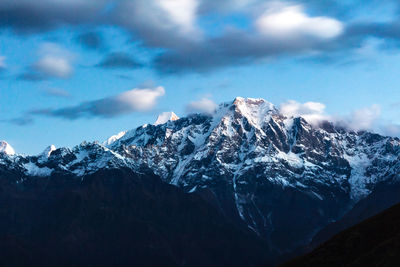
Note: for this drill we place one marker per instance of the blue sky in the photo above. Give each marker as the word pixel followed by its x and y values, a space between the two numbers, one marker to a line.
pixel 84 70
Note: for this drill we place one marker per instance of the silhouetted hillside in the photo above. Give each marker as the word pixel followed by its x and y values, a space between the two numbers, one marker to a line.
pixel 116 217
pixel 374 242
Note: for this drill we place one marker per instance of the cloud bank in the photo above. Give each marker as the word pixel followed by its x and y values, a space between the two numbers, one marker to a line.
pixel 272 28
pixel 364 119
pixel 312 112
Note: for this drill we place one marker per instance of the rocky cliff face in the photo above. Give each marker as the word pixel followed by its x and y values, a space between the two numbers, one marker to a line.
pixel 284 178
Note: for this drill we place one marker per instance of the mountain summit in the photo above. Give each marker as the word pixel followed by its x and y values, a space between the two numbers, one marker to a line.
pixel 6 148
pixel 165 117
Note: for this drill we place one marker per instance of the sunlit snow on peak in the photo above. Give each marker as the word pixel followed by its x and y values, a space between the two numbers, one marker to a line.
pixel 165 117
pixel 6 148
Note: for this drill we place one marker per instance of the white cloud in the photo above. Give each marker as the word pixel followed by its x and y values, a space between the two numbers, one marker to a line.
pixel 140 99
pixel 204 105
pixel 54 61
pixel 54 66
pixel 167 23
pixel 181 12
pixel 391 129
pixel 362 119
pixel 285 21
pixel 312 112
pixel 368 118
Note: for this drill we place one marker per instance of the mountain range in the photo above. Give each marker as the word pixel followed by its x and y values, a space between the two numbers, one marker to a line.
pixel 290 183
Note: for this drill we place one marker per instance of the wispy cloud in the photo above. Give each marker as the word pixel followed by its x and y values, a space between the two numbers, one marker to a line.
pixel 54 66
pixel 119 60
pixel 54 62
pixel 367 118
pixel 135 100
pixel 57 92
pixel 22 121
pixel 362 119
pixel 203 105
pixel 31 76
pixel 313 112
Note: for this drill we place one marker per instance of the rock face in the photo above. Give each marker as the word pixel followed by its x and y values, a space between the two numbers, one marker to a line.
pixel 282 177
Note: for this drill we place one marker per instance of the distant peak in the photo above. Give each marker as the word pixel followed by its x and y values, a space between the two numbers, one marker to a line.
pixel 47 152
pixel 114 138
pixel 5 148
pixel 165 117
pixel 250 101
pixel 238 100
pixel 257 105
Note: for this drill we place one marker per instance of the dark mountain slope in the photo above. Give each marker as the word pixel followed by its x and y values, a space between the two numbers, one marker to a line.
pixel 374 242
pixel 116 217
pixel 384 197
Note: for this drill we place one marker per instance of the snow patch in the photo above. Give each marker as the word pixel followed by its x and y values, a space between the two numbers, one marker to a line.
pixel 6 148
pixel 33 170
pixel 166 117
pixel 114 138
pixel 47 152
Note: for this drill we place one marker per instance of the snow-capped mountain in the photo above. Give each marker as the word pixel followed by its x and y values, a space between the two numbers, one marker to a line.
pixel 165 117
pixel 47 152
pixel 282 177
pixel 5 148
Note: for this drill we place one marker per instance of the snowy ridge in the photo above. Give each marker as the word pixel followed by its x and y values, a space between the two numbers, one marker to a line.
pixel 251 132
pixel 114 138
pixel 254 159
pixel 248 146
pixel 81 160
pixel 267 138
pixel 47 152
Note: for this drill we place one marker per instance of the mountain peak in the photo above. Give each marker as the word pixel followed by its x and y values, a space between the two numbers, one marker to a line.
pixel 6 148
pixel 114 138
pixel 254 109
pixel 47 152
pixel 165 117
pixel 252 101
